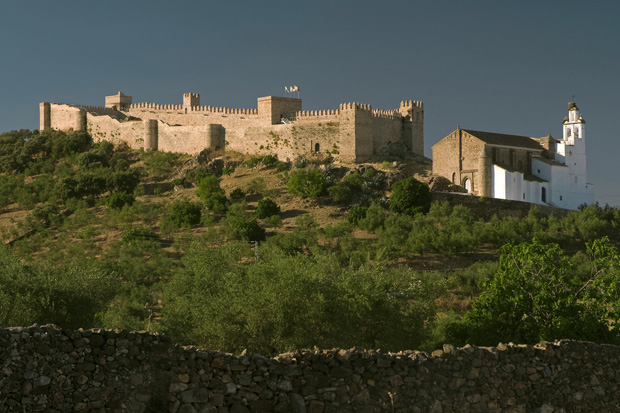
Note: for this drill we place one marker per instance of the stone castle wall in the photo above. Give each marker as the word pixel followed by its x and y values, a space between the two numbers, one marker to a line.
pixel 49 369
pixel 354 132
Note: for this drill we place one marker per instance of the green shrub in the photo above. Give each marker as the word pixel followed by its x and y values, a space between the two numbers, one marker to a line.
pixel 182 212
pixel 283 166
pixel 356 214
pixel 256 186
pixel 270 160
pixel 161 163
pixel 217 203
pixel 178 182
pixel 410 196
pixel 137 234
pixel 208 186
pixel 306 184
pixel 340 193
pixel 373 219
pixel 252 162
pixel 237 194
pixel 300 162
pixel 119 199
pixel 266 208
pixel 227 171
pixel 246 229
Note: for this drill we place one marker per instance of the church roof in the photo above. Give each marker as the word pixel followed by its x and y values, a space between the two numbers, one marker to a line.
pixel 548 161
pixel 503 139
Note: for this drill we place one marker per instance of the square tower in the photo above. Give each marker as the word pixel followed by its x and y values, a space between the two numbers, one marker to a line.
pixel 191 99
pixel 119 101
pixel 272 109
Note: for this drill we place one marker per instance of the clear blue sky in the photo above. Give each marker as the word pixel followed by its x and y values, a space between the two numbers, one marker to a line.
pixel 501 66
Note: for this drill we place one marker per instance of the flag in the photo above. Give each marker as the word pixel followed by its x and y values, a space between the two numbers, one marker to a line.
pixel 296 88
pixel 286 89
pixel 291 88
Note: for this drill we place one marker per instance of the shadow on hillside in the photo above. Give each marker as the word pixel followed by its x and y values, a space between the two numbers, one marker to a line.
pixel 292 213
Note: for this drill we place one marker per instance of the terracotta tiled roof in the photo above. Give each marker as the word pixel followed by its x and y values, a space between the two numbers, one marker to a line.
pixel 505 140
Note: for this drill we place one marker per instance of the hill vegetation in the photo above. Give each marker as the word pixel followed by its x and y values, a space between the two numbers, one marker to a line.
pixel 104 236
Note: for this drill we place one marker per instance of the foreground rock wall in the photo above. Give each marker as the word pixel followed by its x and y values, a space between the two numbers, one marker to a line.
pixel 50 369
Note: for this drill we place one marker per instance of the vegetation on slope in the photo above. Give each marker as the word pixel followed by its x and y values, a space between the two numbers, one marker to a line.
pixel 99 235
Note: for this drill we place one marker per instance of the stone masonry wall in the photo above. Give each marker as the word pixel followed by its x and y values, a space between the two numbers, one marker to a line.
pixel 359 130
pixel 53 370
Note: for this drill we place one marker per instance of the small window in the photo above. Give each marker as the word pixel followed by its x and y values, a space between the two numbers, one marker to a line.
pixel 560 197
pixel 524 195
pixel 543 194
pixel 317 148
pixel 453 177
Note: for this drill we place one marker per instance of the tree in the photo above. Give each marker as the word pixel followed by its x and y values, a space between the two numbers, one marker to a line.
pixel 182 212
pixel 70 295
pixel 266 207
pixel 119 199
pixel 410 196
pixel 537 294
pixel 306 184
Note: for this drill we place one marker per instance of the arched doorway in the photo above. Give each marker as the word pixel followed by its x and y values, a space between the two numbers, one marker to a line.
pixel 317 148
pixel 453 177
pixel 467 184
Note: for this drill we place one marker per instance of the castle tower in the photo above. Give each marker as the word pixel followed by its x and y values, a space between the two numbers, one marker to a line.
pixel 190 99
pixel 412 112
pixel 120 101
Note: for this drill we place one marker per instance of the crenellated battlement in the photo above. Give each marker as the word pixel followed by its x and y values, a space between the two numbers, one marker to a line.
pixel 355 105
pixel 316 114
pixel 210 109
pixel 155 106
pixel 387 114
pixel 412 104
pixel 355 132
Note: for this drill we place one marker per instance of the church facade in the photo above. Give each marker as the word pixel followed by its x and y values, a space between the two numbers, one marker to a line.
pixel 543 171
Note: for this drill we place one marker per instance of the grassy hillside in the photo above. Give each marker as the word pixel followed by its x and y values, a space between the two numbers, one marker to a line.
pixel 98 235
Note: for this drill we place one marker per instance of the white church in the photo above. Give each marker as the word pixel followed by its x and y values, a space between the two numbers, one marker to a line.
pixel 543 171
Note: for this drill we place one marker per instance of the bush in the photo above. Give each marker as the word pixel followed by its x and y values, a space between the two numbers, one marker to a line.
pixel 246 229
pixel 208 186
pixel 182 212
pixel 270 160
pixel 217 203
pixel 237 194
pixel 283 166
pixel 160 163
pixel 340 193
pixel 410 196
pixel 266 208
pixel 306 184
pixel 139 233
pixel 373 219
pixel 256 186
pixel 300 162
pixel 227 171
pixel 178 182
pixel 356 214
pixel 119 199
pixel 252 162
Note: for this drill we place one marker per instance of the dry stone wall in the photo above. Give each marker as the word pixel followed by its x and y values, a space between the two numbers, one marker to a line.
pixel 45 368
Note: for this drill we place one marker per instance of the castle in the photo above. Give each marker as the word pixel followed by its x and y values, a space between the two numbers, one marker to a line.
pixel 351 133
pixel 543 170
